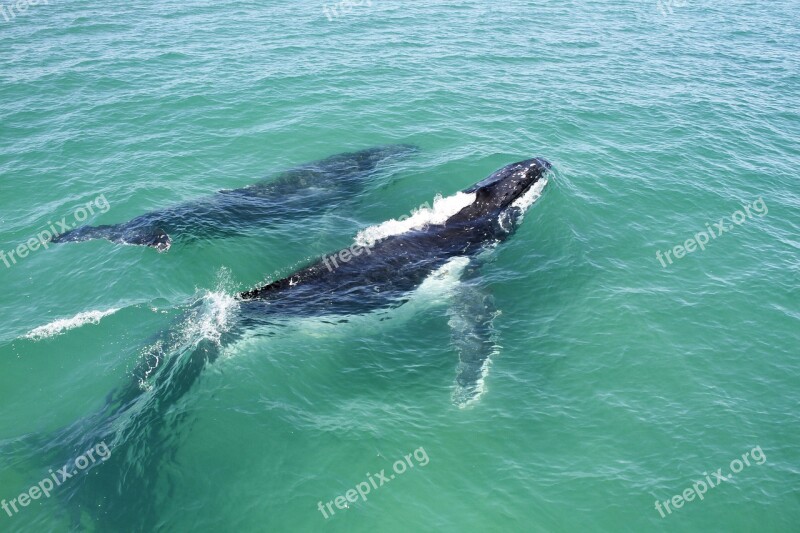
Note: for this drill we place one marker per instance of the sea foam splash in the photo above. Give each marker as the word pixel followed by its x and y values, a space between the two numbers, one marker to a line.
pixel 443 208
pixel 209 317
pixel 64 324
pixel 215 312
pixel 214 316
pixel 209 320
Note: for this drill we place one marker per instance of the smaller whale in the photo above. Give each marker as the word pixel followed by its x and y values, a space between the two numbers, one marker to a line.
pixel 297 193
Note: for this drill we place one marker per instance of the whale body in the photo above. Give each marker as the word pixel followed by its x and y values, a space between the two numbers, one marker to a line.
pixel 297 193
pixel 383 273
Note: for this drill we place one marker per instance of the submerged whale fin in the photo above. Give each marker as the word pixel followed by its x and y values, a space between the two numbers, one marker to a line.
pixel 472 314
pixel 121 234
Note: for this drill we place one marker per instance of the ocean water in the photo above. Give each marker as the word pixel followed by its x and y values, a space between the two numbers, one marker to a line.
pixel 624 375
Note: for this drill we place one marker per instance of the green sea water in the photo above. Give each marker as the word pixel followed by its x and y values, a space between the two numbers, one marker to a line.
pixel 622 379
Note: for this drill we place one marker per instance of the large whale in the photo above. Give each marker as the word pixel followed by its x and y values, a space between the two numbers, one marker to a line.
pixel 139 421
pixel 382 273
pixel 300 192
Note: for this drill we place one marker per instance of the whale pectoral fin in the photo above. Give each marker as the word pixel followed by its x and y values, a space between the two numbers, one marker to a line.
pixel 472 314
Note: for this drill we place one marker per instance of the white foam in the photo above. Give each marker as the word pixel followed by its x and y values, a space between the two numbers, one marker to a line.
pixel 64 324
pixel 443 208
pixel 530 196
pixel 213 317
pixel 216 318
pixel 208 318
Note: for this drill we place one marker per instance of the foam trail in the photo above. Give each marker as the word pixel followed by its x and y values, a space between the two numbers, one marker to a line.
pixel 64 324
pixel 443 208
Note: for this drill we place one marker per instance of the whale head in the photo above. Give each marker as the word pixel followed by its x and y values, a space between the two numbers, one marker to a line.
pixel 501 198
pixel 509 184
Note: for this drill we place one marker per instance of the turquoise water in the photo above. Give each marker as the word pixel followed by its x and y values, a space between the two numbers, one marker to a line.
pixel 619 381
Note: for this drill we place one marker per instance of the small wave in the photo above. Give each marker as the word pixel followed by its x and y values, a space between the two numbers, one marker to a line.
pixel 64 324
pixel 443 208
